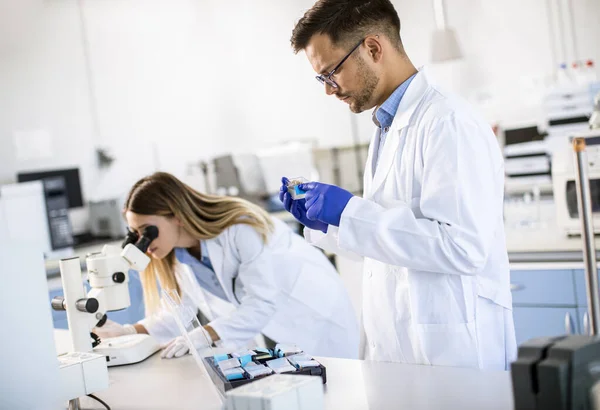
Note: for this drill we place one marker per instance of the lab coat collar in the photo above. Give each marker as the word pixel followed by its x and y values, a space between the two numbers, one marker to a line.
pixel 410 101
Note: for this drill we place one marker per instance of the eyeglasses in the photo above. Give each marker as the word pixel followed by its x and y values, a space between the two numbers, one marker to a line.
pixel 326 78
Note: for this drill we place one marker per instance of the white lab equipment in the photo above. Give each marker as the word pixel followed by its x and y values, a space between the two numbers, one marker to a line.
pixel 29 375
pixel 436 285
pixel 106 218
pixel 564 181
pixel 237 174
pixel 128 349
pixel 567 109
pixel 342 165
pixel 81 373
pixel 294 158
pixel 595 117
pixel 108 277
pixel 586 72
pixel 278 392
pixel 526 165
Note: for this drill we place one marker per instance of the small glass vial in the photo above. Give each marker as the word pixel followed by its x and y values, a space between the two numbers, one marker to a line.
pixel 294 189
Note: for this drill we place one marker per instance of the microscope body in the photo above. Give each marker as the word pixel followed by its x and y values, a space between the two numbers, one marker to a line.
pixel 108 277
pixel 82 370
pixel 109 281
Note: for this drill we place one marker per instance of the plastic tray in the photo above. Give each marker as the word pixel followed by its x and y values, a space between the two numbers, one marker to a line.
pixel 224 385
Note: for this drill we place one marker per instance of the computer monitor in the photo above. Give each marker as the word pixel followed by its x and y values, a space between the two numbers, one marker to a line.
pixel 71 176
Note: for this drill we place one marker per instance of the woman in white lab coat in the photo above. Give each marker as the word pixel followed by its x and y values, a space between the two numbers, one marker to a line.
pixel 247 273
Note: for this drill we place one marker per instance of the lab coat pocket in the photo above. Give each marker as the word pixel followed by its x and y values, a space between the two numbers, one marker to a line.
pixel 450 344
pixel 442 299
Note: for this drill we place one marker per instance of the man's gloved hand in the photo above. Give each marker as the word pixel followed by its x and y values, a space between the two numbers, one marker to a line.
pixel 325 202
pixel 179 346
pixel 297 208
pixel 113 329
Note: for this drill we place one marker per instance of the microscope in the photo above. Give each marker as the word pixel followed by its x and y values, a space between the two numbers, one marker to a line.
pixel 84 370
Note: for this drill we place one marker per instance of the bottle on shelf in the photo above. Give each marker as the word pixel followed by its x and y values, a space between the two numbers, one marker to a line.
pixel 563 77
pixel 590 72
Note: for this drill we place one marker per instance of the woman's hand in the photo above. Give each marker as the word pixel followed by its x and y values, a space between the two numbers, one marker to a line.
pixel 179 346
pixel 114 329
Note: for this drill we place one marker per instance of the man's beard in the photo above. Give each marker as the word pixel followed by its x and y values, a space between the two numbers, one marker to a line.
pixel 370 81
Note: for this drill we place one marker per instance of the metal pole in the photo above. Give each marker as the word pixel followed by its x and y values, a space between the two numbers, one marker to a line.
pixel 587 234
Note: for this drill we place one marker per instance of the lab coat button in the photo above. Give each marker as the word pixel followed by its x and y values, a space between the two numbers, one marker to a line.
pixel 370 273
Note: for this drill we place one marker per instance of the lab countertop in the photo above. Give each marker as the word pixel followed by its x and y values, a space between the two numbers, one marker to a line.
pixel 351 384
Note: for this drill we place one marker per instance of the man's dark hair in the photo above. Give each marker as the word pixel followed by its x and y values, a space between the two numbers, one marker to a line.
pixel 347 21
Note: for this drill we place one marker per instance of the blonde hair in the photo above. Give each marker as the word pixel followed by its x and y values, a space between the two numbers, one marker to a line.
pixel 203 216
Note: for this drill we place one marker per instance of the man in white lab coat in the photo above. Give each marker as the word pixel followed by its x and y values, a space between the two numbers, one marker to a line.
pixel 429 226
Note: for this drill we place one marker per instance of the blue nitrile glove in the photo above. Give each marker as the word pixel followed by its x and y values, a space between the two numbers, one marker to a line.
pixel 297 208
pixel 325 202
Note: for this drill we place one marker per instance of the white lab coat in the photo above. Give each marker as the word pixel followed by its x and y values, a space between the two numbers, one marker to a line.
pixel 430 228
pixel 286 290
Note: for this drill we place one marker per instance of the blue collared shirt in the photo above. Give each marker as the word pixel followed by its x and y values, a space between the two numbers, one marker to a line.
pixel 385 113
pixel 203 270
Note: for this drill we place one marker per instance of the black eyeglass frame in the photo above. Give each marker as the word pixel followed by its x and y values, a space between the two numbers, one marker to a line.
pixel 326 78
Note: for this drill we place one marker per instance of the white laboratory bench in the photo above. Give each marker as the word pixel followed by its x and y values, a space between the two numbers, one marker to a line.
pixel 351 384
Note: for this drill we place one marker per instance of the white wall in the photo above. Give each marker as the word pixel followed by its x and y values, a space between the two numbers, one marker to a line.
pixel 43 86
pixel 206 78
pixel 174 81
pixel 507 47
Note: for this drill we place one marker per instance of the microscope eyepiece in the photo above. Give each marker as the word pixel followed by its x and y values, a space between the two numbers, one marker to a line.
pixel 131 237
pixel 149 234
